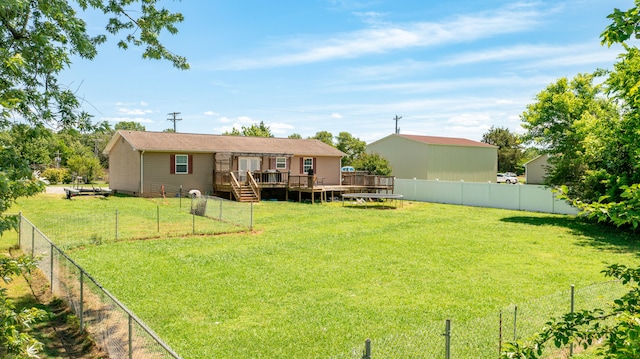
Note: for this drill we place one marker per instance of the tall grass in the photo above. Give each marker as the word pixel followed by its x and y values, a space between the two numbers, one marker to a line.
pixel 315 280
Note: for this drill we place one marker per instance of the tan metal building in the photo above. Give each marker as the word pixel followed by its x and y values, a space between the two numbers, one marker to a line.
pixel 438 158
pixel 536 169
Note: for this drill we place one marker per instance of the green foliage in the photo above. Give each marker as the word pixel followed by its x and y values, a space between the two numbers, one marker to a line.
pixel 39 39
pixel 624 212
pixel 616 329
pixel 56 175
pixel 509 149
pixel 129 125
pixel 372 163
pixel 575 124
pixel 295 135
pixel 324 136
pixel 259 130
pixel 350 145
pixel 624 25
pixel 87 167
pixel 14 324
pixel 16 180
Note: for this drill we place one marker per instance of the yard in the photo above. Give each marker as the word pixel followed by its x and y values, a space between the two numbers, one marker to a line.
pixel 313 281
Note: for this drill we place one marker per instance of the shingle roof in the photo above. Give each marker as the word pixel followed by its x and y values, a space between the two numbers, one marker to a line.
pixel 451 141
pixel 190 142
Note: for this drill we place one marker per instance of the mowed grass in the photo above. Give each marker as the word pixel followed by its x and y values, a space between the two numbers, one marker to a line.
pixel 314 281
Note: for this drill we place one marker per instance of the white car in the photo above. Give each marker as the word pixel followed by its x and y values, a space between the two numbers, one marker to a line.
pixel 506 178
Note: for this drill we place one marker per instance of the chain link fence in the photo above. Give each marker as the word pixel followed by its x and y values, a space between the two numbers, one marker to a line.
pixel 483 337
pixel 160 217
pixel 114 327
pixel 122 335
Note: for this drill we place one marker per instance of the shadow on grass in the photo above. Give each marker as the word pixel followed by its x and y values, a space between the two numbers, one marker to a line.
pixel 592 234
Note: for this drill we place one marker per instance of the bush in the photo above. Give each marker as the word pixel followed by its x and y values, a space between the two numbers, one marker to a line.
pixel 56 175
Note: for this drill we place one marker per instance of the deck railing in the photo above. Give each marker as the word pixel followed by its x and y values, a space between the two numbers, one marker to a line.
pixel 357 179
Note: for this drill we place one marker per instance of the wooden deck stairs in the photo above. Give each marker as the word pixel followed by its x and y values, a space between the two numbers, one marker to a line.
pixel 246 194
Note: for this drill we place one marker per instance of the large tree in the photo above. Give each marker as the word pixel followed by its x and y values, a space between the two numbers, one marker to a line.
pixel 574 122
pixel 350 145
pixel 38 39
pixel 509 148
pixel 324 136
pixel 255 130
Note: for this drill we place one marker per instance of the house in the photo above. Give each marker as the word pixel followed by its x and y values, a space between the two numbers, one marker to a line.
pixel 141 163
pixel 438 158
pixel 536 169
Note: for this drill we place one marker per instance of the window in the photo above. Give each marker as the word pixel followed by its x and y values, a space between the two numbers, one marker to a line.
pixel 307 164
pixel 281 163
pixel 182 164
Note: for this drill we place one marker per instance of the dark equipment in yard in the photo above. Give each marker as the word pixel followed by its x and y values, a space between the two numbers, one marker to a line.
pixel 77 189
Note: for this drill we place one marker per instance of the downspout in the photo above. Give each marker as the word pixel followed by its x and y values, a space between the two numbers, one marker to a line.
pixel 141 173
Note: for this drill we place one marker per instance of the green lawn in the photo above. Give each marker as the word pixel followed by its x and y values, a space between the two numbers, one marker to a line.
pixel 315 280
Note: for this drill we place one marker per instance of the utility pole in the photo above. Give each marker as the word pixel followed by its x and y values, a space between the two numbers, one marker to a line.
pixel 174 119
pixel 397 118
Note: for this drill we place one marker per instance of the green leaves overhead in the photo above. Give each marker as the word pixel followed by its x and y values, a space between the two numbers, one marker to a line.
pixel 39 38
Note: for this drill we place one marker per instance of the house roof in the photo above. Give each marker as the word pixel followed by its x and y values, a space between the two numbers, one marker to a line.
pixel 191 142
pixel 447 141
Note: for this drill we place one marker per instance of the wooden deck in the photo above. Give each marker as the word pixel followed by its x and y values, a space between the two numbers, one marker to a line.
pixel 310 187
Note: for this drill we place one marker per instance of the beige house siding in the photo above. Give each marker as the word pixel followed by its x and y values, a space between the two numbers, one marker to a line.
pixel 157 172
pixel 414 159
pixel 124 168
pixel 536 169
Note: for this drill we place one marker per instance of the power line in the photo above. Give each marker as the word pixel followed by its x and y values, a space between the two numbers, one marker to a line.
pixel 174 119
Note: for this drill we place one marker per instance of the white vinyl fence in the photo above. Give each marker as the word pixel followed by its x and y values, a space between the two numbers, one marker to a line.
pixel 519 197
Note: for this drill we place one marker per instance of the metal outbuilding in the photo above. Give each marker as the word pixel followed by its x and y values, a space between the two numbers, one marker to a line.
pixel 438 158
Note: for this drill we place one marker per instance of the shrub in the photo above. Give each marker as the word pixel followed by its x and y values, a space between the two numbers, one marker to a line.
pixel 56 175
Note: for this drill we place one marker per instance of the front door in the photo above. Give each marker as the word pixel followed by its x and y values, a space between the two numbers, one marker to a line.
pixel 247 164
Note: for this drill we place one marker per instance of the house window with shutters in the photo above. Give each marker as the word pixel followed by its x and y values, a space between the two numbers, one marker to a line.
pixel 281 163
pixel 181 164
pixel 307 164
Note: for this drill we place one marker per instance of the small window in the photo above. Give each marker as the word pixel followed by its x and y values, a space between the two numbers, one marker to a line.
pixel 307 165
pixel 281 163
pixel 182 164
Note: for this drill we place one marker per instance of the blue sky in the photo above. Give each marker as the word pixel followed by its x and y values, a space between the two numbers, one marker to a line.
pixel 449 68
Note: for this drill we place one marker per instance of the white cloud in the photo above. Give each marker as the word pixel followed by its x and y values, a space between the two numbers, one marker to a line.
pixel 127 119
pixel 210 113
pixel 280 129
pixel 133 111
pixel 336 115
pixel 389 37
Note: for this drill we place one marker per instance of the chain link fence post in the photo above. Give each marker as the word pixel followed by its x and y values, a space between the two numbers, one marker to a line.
pixel 447 339
pixel 366 354
pixel 573 292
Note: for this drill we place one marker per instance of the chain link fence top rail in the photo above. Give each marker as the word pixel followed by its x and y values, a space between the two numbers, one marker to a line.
pixel 161 217
pixel 115 329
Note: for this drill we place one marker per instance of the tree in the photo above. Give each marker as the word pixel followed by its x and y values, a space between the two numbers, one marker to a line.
pixel 87 167
pixel 39 38
pixel 13 324
pixel 509 149
pixel 259 130
pixel 372 163
pixel 574 122
pixel 295 135
pixel 324 136
pixel 350 145
pixel 129 125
